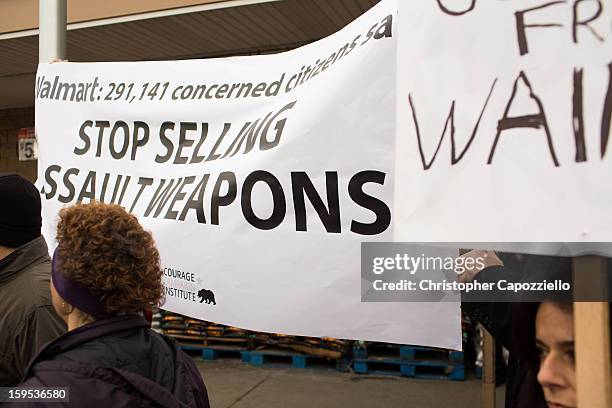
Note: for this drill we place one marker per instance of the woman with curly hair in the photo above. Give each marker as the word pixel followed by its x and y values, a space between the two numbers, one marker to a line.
pixel 105 273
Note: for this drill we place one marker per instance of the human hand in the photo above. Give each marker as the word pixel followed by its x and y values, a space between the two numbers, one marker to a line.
pixel 480 259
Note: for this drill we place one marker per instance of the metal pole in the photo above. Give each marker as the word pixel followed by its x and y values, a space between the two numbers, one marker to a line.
pixel 52 30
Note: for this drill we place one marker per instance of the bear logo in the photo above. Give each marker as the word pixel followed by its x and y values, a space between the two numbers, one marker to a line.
pixel 207 296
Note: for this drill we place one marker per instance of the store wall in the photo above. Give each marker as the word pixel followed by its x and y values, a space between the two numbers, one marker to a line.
pixel 18 15
pixel 11 120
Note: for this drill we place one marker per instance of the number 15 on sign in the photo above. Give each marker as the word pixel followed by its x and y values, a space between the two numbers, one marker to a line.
pixel 27 145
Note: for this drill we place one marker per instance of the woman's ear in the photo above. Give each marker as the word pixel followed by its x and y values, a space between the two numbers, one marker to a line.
pixel 67 308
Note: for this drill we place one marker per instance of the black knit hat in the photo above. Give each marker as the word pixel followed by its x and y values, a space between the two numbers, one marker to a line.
pixel 20 220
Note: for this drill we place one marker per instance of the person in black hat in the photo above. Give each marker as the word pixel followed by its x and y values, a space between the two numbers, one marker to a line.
pixel 27 318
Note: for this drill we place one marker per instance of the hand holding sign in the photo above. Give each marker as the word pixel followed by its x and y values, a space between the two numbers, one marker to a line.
pixel 481 259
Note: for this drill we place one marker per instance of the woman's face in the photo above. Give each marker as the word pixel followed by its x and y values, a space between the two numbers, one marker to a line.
pixel 555 344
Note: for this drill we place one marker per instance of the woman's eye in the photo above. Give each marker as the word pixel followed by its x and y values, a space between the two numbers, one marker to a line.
pixel 542 353
pixel 569 355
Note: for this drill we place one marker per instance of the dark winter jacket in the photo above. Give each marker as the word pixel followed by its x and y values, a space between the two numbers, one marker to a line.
pixel 27 317
pixel 118 362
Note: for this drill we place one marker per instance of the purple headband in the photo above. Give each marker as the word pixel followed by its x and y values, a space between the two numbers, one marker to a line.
pixel 74 293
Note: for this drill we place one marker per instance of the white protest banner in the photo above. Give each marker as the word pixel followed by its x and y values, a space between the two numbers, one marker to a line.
pixel 259 177
pixel 503 123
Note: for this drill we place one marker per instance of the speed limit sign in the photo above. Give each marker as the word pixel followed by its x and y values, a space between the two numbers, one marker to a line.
pixel 27 145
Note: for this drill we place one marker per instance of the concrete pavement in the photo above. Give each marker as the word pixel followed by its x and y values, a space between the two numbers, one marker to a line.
pixel 232 384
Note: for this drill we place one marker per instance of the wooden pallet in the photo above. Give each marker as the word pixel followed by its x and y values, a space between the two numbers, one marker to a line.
pixel 217 352
pixel 427 369
pixel 228 341
pixel 285 358
pixel 187 340
pixel 404 352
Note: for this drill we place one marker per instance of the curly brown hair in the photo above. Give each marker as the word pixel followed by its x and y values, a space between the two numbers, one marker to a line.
pixel 105 249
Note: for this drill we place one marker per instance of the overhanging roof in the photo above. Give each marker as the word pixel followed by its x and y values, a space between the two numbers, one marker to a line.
pixel 191 32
